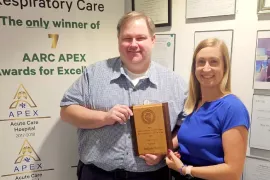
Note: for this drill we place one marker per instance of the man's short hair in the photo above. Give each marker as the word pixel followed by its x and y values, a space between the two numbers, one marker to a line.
pixel 133 15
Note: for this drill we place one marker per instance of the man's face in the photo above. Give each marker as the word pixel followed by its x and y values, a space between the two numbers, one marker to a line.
pixel 135 45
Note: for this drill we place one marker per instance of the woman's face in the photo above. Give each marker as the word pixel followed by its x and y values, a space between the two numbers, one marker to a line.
pixel 209 67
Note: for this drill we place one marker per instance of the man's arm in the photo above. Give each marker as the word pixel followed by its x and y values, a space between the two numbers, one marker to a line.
pixel 84 118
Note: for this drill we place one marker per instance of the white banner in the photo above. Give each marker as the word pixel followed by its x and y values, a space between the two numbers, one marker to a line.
pixel 45 46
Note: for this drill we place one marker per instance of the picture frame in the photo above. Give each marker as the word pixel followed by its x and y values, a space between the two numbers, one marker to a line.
pixel 263 6
pixel 261 76
pixel 159 11
pixel 225 35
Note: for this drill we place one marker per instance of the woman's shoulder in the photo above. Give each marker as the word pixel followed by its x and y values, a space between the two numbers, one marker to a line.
pixel 232 100
pixel 233 104
pixel 233 113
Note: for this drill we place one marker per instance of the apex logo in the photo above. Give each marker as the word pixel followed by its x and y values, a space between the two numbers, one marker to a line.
pixel 23 106
pixel 28 164
pixel 22 98
pixel 27 154
pixel 27 160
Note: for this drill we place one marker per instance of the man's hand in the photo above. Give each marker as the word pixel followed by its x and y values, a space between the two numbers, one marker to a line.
pixel 119 113
pixel 151 159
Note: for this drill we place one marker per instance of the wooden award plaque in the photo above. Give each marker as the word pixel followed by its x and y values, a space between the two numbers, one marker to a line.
pixel 151 129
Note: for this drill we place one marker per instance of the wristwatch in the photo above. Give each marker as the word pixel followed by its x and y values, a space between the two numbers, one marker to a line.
pixel 188 172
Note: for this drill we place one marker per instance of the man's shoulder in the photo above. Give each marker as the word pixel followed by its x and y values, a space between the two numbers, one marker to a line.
pixel 106 64
pixel 164 71
pixel 170 77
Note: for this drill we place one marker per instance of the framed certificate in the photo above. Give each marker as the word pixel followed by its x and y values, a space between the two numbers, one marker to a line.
pixel 256 168
pixel 164 50
pixel 260 122
pixel 263 6
pixel 151 130
pixel 209 8
pixel 159 10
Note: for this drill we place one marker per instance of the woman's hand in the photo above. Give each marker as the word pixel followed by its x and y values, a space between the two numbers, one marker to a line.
pixel 177 154
pixel 173 161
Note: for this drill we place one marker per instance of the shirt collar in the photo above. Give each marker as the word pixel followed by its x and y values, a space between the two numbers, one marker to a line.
pixel 153 74
pixel 118 70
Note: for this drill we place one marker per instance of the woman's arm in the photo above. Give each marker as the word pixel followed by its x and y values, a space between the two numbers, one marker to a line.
pixel 234 143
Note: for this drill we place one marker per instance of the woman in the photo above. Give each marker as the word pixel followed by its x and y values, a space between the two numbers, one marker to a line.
pixel 213 137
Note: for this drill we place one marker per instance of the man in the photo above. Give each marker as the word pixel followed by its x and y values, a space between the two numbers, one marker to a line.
pixel 98 104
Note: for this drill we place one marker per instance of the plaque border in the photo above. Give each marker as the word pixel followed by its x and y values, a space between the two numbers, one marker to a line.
pixel 167 128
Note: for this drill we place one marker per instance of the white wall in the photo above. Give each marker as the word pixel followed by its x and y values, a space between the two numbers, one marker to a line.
pixel 245 25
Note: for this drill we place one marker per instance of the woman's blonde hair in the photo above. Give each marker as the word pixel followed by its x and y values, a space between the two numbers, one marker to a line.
pixel 194 94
